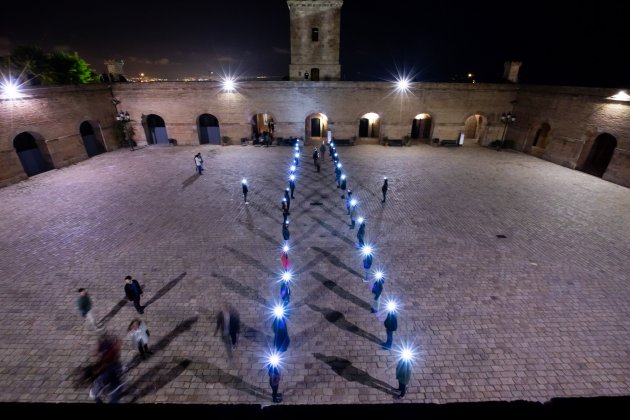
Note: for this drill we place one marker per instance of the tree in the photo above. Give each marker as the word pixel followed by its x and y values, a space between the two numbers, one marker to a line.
pixel 57 68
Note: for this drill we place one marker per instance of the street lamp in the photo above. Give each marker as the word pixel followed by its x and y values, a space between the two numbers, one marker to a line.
pixel 507 118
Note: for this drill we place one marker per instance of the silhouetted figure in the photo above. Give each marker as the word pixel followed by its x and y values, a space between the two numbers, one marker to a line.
pixel 403 374
pixel 285 293
pixel 292 184
pixel 223 325
pixel 391 325
pixel 234 326
pixel 285 231
pixel 274 382
pixel 361 233
pixel 245 190
pixel 281 334
pixel 377 290
pixel 285 210
pixel 107 370
pixel 384 189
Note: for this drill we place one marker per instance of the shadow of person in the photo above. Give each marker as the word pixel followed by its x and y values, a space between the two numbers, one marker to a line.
pixel 334 260
pixel 339 320
pixel 112 313
pixel 340 291
pixel 212 374
pixel 344 368
pixel 165 289
pixel 190 180
pixel 154 379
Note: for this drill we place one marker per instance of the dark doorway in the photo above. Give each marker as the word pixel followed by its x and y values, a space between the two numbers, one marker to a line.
pixel 156 130
pixel 209 132
pixel 600 155
pixel 31 157
pixel 92 145
pixel 316 127
pixel 364 127
pixel 421 127
pixel 315 74
pixel 540 140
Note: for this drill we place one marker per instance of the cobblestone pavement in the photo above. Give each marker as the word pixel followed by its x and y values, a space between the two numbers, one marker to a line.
pixel 541 313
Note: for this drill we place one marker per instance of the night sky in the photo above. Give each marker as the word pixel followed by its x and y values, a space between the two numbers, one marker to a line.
pixel 582 45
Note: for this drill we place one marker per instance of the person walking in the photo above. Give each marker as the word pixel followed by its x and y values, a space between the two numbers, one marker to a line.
pixel 138 334
pixel 403 375
pixel 292 184
pixel 361 233
pixel 384 189
pixel 84 303
pixel 108 370
pixel 391 325
pixel 133 292
pixel 199 163
pixel 274 382
pixel 315 156
pixel 322 151
pixel 245 190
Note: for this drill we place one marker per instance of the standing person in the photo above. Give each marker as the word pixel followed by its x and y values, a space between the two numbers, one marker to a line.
pixel 353 207
pixel 322 151
pixel 285 210
pixel 285 231
pixel 84 303
pixel 361 233
pixel 403 374
pixel 245 190
pixel 287 196
pixel 315 156
pixel 343 185
pixel 384 189
pixel 348 200
pixel 223 324
pixel 234 326
pixel 338 174
pixel 133 292
pixel 199 163
pixel 377 290
pixel 138 334
pixel 281 334
pixel 274 382
pixel 292 184
pixel 284 258
pixel 391 325
pixel 285 291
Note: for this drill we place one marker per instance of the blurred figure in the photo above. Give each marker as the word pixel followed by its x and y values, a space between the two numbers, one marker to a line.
pixel 234 326
pixel 139 336
pixel 361 233
pixel 285 210
pixel 281 338
pixel 285 231
pixel 107 370
pixel 274 382
pixel 384 189
pixel 391 325
pixel 377 290
pixel 292 184
pixel 84 303
pixel 403 374
pixel 245 190
pixel 223 324
pixel 284 258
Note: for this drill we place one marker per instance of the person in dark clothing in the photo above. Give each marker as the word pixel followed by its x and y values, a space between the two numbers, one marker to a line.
pixel 361 232
pixel 315 156
pixel 285 289
pixel 281 334
pixel 292 184
pixel 133 292
pixel 377 290
pixel 343 185
pixel 234 327
pixel 353 207
pixel 384 189
pixel 245 190
pixel 274 382
pixel 285 210
pixel 348 200
pixel 338 174
pixel 403 374
pixel 108 370
pixel 391 325
pixel 322 151
pixel 84 303
pixel 285 231
pixel 287 196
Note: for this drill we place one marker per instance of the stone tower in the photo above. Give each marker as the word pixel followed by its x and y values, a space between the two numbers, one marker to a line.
pixel 115 68
pixel 510 71
pixel 315 27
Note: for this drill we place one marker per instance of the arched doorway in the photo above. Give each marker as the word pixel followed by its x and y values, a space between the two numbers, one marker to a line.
pixel 93 145
pixel 421 126
pixel 316 127
pixel 600 155
pixel 209 132
pixel 541 137
pixel 370 125
pixel 474 127
pixel 32 153
pixel 315 74
pixel 156 129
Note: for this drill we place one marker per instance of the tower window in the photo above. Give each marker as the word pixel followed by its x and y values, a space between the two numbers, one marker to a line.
pixel 315 34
